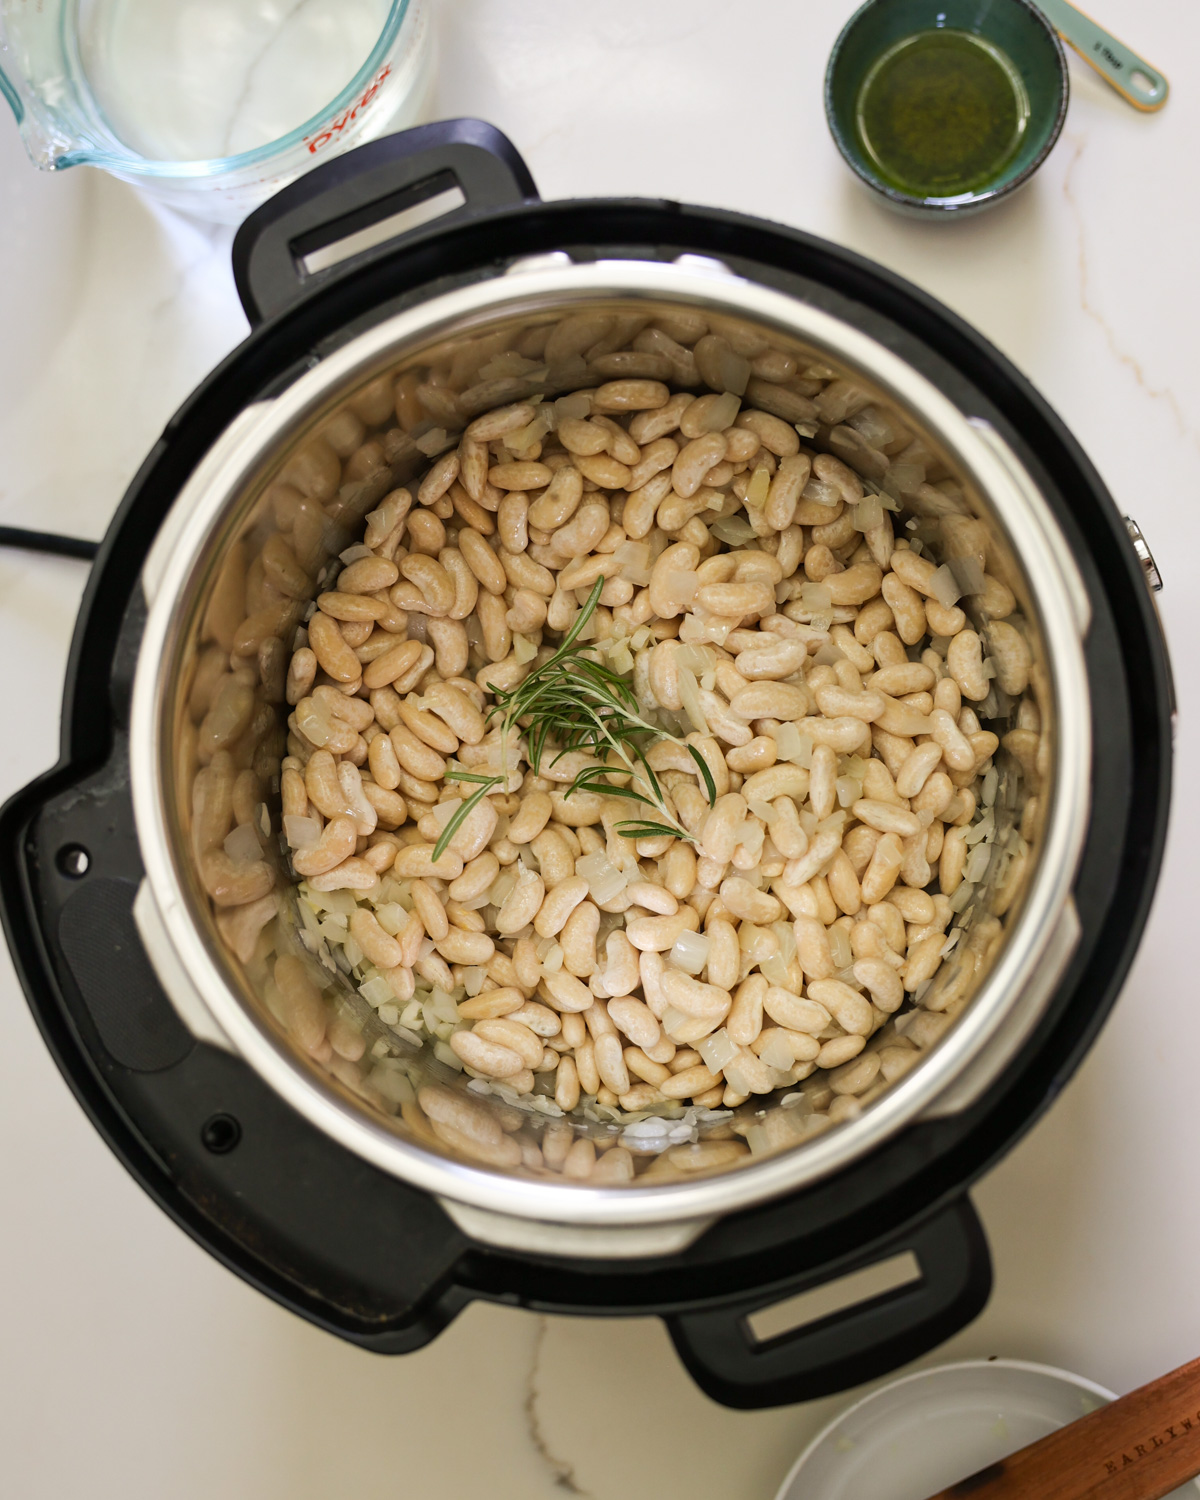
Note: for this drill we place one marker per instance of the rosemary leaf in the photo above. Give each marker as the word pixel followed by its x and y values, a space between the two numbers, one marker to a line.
pixel 632 830
pixel 709 784
pixel 465 808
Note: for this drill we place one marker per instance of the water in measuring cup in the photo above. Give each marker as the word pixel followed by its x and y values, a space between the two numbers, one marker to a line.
pixel 189 80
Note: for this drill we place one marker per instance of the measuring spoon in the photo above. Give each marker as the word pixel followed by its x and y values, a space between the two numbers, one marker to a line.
pixel 1132 76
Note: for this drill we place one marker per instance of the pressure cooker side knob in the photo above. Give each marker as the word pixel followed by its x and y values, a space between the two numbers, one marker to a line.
pixel 1145 556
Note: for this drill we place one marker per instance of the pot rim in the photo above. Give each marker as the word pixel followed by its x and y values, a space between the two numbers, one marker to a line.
pixel 1039 941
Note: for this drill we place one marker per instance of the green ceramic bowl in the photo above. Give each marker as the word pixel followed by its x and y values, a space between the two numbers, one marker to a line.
pixel 1016 27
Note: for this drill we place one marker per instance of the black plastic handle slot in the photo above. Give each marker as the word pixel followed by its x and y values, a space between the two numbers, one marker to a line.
pixel 357 207
pixel 857 1343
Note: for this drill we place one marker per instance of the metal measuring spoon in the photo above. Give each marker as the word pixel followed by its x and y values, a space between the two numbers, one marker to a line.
pixel 1132 77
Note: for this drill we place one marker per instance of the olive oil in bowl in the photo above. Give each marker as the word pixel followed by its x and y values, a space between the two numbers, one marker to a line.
pixel 941 114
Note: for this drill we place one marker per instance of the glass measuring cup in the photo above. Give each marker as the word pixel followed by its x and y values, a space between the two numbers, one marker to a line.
pixel 211 105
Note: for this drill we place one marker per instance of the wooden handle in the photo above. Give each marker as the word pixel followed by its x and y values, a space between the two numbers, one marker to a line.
pixel 1140 1447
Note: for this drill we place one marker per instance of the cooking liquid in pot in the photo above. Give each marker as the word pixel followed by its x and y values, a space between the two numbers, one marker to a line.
pixel 941 113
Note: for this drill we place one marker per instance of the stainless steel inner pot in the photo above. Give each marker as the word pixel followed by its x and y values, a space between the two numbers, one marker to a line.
pixel 210 666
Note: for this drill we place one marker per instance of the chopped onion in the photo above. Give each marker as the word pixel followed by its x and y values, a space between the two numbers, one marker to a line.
pixel 433 441
pixel 352 554
pixel 525 437
pixel 765 810
pixel 984 829
pixel 391 916
pixel 680 588
pixel 633 559
pixel 868 513
pixel 243 846
pixel 793 746
pixel 977 863
pixel 756 491
pixel 301 833
pixel 690 952
pixel 774 969
pixel 839 946
pixel 816 598
pixel 848 790
pixel 751 837
pixel 447 1055
pixel 377 992
pixel 968 575
pixel 523 649
pixel 577 406
pixel 945 587
pixel 775 1051
pixel 605 881
pixel 690 696
pixel 502 885
pixel 716 1050
pixel 700 626
pixel 821 493
pixel 723 412
pixel 962 897
pixel 951 941
pixel 733 529
pixel 693 659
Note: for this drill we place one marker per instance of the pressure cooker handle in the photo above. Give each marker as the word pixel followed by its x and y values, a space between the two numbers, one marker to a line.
pixel 861 1342
pixel 356 207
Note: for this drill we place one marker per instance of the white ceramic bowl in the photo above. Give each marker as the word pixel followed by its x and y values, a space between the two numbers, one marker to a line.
pixel 922 1433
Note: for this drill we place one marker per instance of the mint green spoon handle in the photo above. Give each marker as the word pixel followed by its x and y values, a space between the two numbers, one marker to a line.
pixel 1132 76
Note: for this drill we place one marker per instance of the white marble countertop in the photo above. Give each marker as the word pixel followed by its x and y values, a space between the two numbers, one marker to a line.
pixel 132 1364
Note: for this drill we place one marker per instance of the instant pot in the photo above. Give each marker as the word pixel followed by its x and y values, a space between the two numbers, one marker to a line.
pixel 428 257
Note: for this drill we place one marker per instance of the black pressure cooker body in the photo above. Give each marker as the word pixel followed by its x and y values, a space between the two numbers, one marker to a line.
pixel 351 1248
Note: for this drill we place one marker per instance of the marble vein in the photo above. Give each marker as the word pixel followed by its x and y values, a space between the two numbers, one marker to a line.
pixel 563 1472
pixel 1121 354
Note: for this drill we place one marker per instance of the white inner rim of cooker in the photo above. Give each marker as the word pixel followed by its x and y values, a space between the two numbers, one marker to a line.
pixel 1038 943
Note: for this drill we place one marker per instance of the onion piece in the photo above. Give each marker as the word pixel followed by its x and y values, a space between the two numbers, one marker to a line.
pixel 756 491
pixel 301 833
pixel 689 693
pixel 732 529
pixel 433 441
pixel 693 659
pixel 352 554
pixel 690 952
pixel 868 513
pixel 945 587
pixel 243 846
pixel 775 1052
pixel 839 946
pixel 680 588
pixel 377 992
pixel 605 881
pixel 716 1050
pixel 968 574
pixel 633 560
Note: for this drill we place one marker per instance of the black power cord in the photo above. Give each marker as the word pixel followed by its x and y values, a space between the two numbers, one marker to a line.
pixel 48 541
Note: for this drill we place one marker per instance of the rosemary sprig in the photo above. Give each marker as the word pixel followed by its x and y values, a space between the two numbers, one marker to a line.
pixel 581 704
pixel 465 807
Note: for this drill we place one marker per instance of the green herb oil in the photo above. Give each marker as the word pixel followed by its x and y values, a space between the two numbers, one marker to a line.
pixel 941 113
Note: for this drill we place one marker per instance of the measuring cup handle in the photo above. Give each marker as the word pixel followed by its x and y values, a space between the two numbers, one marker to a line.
pixel 357 207
pixel 862 1341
